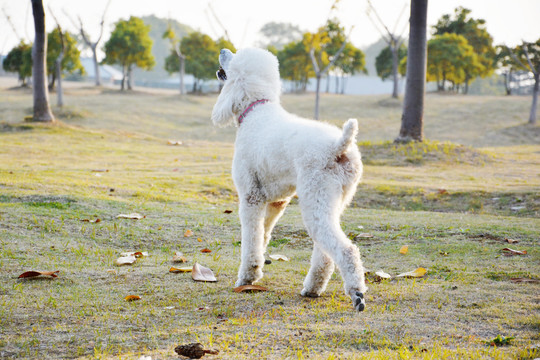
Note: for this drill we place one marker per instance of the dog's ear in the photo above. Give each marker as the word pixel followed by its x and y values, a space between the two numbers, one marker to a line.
pixel 224 110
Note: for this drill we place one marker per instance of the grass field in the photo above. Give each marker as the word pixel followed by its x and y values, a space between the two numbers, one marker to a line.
pixel 455 200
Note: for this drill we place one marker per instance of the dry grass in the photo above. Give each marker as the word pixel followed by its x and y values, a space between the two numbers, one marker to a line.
pixel 48 184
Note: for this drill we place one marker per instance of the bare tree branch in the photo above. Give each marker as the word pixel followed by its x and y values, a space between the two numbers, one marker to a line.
pixel 226 34
pixel 102 23
pixel 531 66
pixel 8 18
pixel 405 7
pixel 516 59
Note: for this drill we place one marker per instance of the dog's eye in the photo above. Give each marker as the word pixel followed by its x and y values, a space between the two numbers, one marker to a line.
pixel 221 74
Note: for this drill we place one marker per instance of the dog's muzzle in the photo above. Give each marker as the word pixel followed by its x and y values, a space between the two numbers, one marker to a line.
pixel 221 75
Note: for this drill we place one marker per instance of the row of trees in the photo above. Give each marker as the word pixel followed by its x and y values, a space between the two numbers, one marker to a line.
pixel 19 59
pixel 460 50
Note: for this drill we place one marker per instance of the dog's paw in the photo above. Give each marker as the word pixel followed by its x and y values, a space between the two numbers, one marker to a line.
pixel 308 293
pixel 242 282
pixel 358 300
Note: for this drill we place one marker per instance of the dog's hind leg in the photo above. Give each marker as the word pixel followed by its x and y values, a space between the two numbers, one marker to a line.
pixel 322 267
pixel 320 203
pixel 252 259
pixel 274 210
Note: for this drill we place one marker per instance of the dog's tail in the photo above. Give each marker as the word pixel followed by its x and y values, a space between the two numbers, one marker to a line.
pixel 350 129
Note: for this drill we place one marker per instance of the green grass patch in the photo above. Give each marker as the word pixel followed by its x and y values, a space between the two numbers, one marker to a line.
pixel 452 205
pixel 419 153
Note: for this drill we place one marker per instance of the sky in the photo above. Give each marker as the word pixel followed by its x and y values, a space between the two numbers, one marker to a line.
pixel 508 21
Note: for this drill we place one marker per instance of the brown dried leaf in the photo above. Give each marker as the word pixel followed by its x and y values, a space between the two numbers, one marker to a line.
pixel 417 273
pixel 525 280
pixel 179 257
pixel 205 250
pixel 404 249
pixel 132 298
pixel 512 252
pixel 442 191
pixel 31 274
pixel 100 170
pixel 249 288
pixel 201 273
pixel 278 257
pixel 91 221
pixel 180 270
pixel 193 351
pixel 137 254
pixel 511 241
pixel 227 211
pixel 133 216
pixel 188 233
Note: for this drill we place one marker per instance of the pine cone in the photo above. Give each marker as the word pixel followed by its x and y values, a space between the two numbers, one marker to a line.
pixel 193 351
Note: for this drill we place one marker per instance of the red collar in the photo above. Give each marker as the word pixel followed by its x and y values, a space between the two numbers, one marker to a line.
pixel 249 108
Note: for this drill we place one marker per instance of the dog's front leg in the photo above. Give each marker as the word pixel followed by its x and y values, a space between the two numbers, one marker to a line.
pixel 252 221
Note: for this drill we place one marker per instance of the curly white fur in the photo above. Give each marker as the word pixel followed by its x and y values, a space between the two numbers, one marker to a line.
pixel 278 154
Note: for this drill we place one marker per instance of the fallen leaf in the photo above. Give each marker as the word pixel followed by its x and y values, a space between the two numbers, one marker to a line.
pixel 137 254
pixel 174 142
pixel 100 170
pixel 199 239
pixel 511 241
pixel 91 221
pixel 249 288
pixel 443 253
pixel 201 273
pixel 31 274
pixel 524 280
pixel 278 257
pixel 363 236
pixel 132 298
pixel 383 275
pixel 180 270
pixel 133 216
pixel 193 351
pixel 442 191
pixel 126 260
pixel 404 249
pixel 512 252
pixel 227 211
pixel 188 233
pixel 179 257
pixel 420 272
pixel 206 250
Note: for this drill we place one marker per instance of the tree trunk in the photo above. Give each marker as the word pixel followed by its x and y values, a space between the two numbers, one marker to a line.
pixel 130 77
pixel 328 78
pixel 507 80
pixel 413 105
pixel 317 90
pixel 395 60
pixel 122 84
pixel 53 79
pixel 182 59
pixel 96 65
pixel 532 116
pixel 42 110
pixel 59 90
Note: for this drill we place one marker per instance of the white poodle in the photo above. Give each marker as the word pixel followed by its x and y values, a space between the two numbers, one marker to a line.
pixel 278 154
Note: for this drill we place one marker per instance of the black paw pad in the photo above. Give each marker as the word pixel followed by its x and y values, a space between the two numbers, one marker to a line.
pixel 359 302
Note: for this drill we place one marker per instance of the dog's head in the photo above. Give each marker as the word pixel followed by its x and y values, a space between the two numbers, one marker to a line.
pixel 248 75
